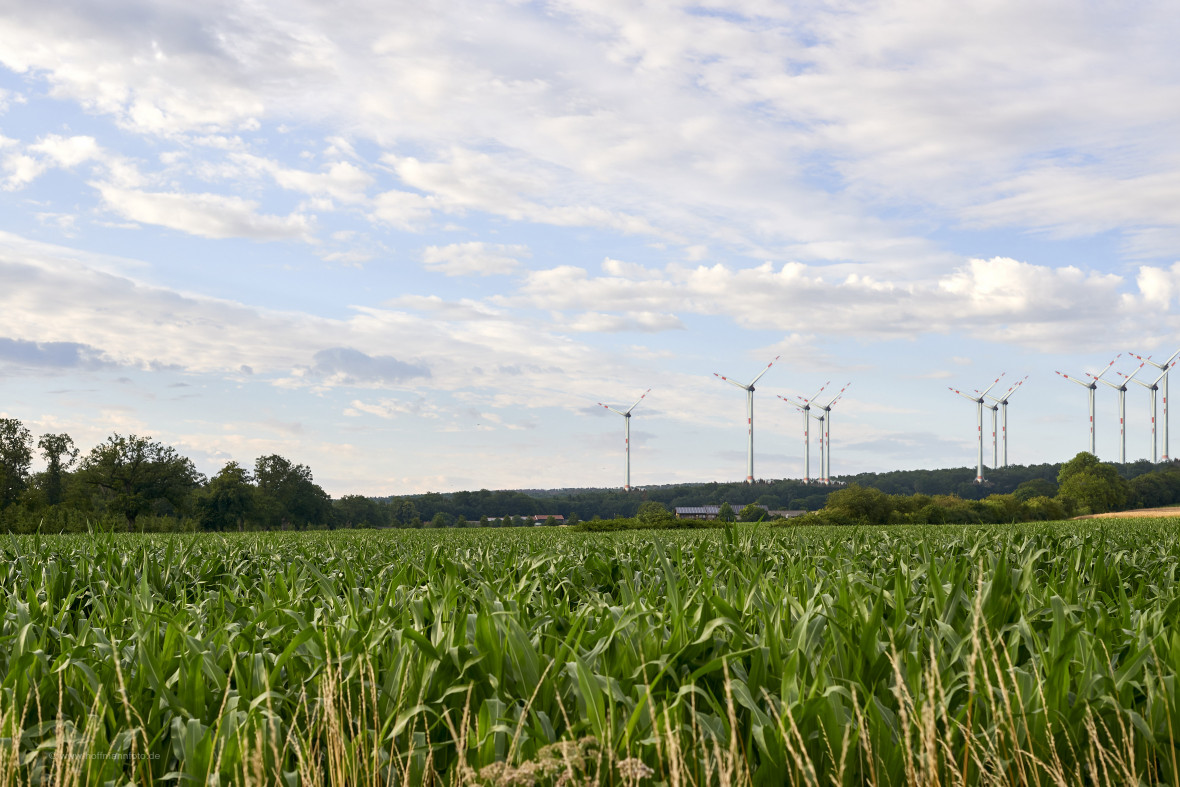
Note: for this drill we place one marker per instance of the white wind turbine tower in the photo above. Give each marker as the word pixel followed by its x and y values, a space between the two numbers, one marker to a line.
pixel 827 434
pixel 995 408
pixel 1093 386
pixel 1122 389
pixel 627 436
pixel 1002 403
pixel 804 406
pixel 978 422
pixel 822 454
pixel 1153 386
pixel 749 389
pixel 1164 367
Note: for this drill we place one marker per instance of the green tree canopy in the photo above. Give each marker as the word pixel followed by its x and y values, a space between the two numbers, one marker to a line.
pixel 287 493
pixel 725 513
pixel 1091 484
pixel 653 514
pixel 16 454
pixel 1082 462
pixel 132 474
pixel 227 500
pixel 60 455
pixel 752 513
pixel 361 511
pixel 871 506
pixel 1035 487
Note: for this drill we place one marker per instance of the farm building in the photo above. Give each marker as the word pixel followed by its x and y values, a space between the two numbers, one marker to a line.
pixel 710 512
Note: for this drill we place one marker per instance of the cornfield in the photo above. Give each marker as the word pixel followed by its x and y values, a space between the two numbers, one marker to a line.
pixel 1044 655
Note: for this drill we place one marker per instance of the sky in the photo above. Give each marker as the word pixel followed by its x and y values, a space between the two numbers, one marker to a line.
pixel 413 245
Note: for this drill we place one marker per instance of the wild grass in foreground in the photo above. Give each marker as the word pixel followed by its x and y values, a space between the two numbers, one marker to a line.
pixel 908 655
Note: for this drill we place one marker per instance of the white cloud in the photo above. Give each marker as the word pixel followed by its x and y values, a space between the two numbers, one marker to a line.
pixel 1011 301
pixel 403 209
pixel 644 322
pixel 633 110
pixel 65 223
pixel 54 150
pixel 340 180
pixel 20 170
pixel 67 151
pixel 474 258
pixel 515 187
pixel 205 215
pixel 132 324
pixel 393 408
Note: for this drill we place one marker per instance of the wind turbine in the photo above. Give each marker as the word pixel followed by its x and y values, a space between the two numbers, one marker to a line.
pixel 1093 386
pixel 804 406
pixel 827 433
pixel 822 455
pixel 1122 389
pixel 1153 387
pixel 979 422
pixel 749 389
pixel 627 436
pixel 1164 366
pixel 1002 402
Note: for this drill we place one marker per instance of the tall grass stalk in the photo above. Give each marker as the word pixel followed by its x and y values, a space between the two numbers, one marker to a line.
pixel 1027 655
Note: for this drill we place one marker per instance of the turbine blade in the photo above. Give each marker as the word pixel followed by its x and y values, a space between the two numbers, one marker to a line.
pixel 732 382
pixel 838 395
pixel 1104 371
pixel 1010 391
pixel 637 401
pixel 1074 380
pixel 1138 369
pixel 804 405
pixel 764 371
pixel 993 385
pixel 1163 365
pixel 968 397
pixel 821 390
pixel 613 410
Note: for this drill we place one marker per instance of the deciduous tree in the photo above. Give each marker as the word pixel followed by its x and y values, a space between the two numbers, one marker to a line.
pixel 60 455
pixel 1092 484
pixel 227 500
pixel 288 494
pixel 16 454
pixel 752 513
pixel 132 474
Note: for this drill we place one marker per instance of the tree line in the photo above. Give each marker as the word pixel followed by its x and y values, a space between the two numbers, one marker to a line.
pixel 136 483
pixel 1083 485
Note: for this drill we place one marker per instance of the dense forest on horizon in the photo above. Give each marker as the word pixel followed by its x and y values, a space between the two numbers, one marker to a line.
pixel 134 483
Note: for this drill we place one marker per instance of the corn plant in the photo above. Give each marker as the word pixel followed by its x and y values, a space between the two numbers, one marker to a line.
pixel 1043 655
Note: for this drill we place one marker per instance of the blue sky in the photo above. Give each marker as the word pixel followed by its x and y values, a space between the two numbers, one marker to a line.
pixel 411 244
